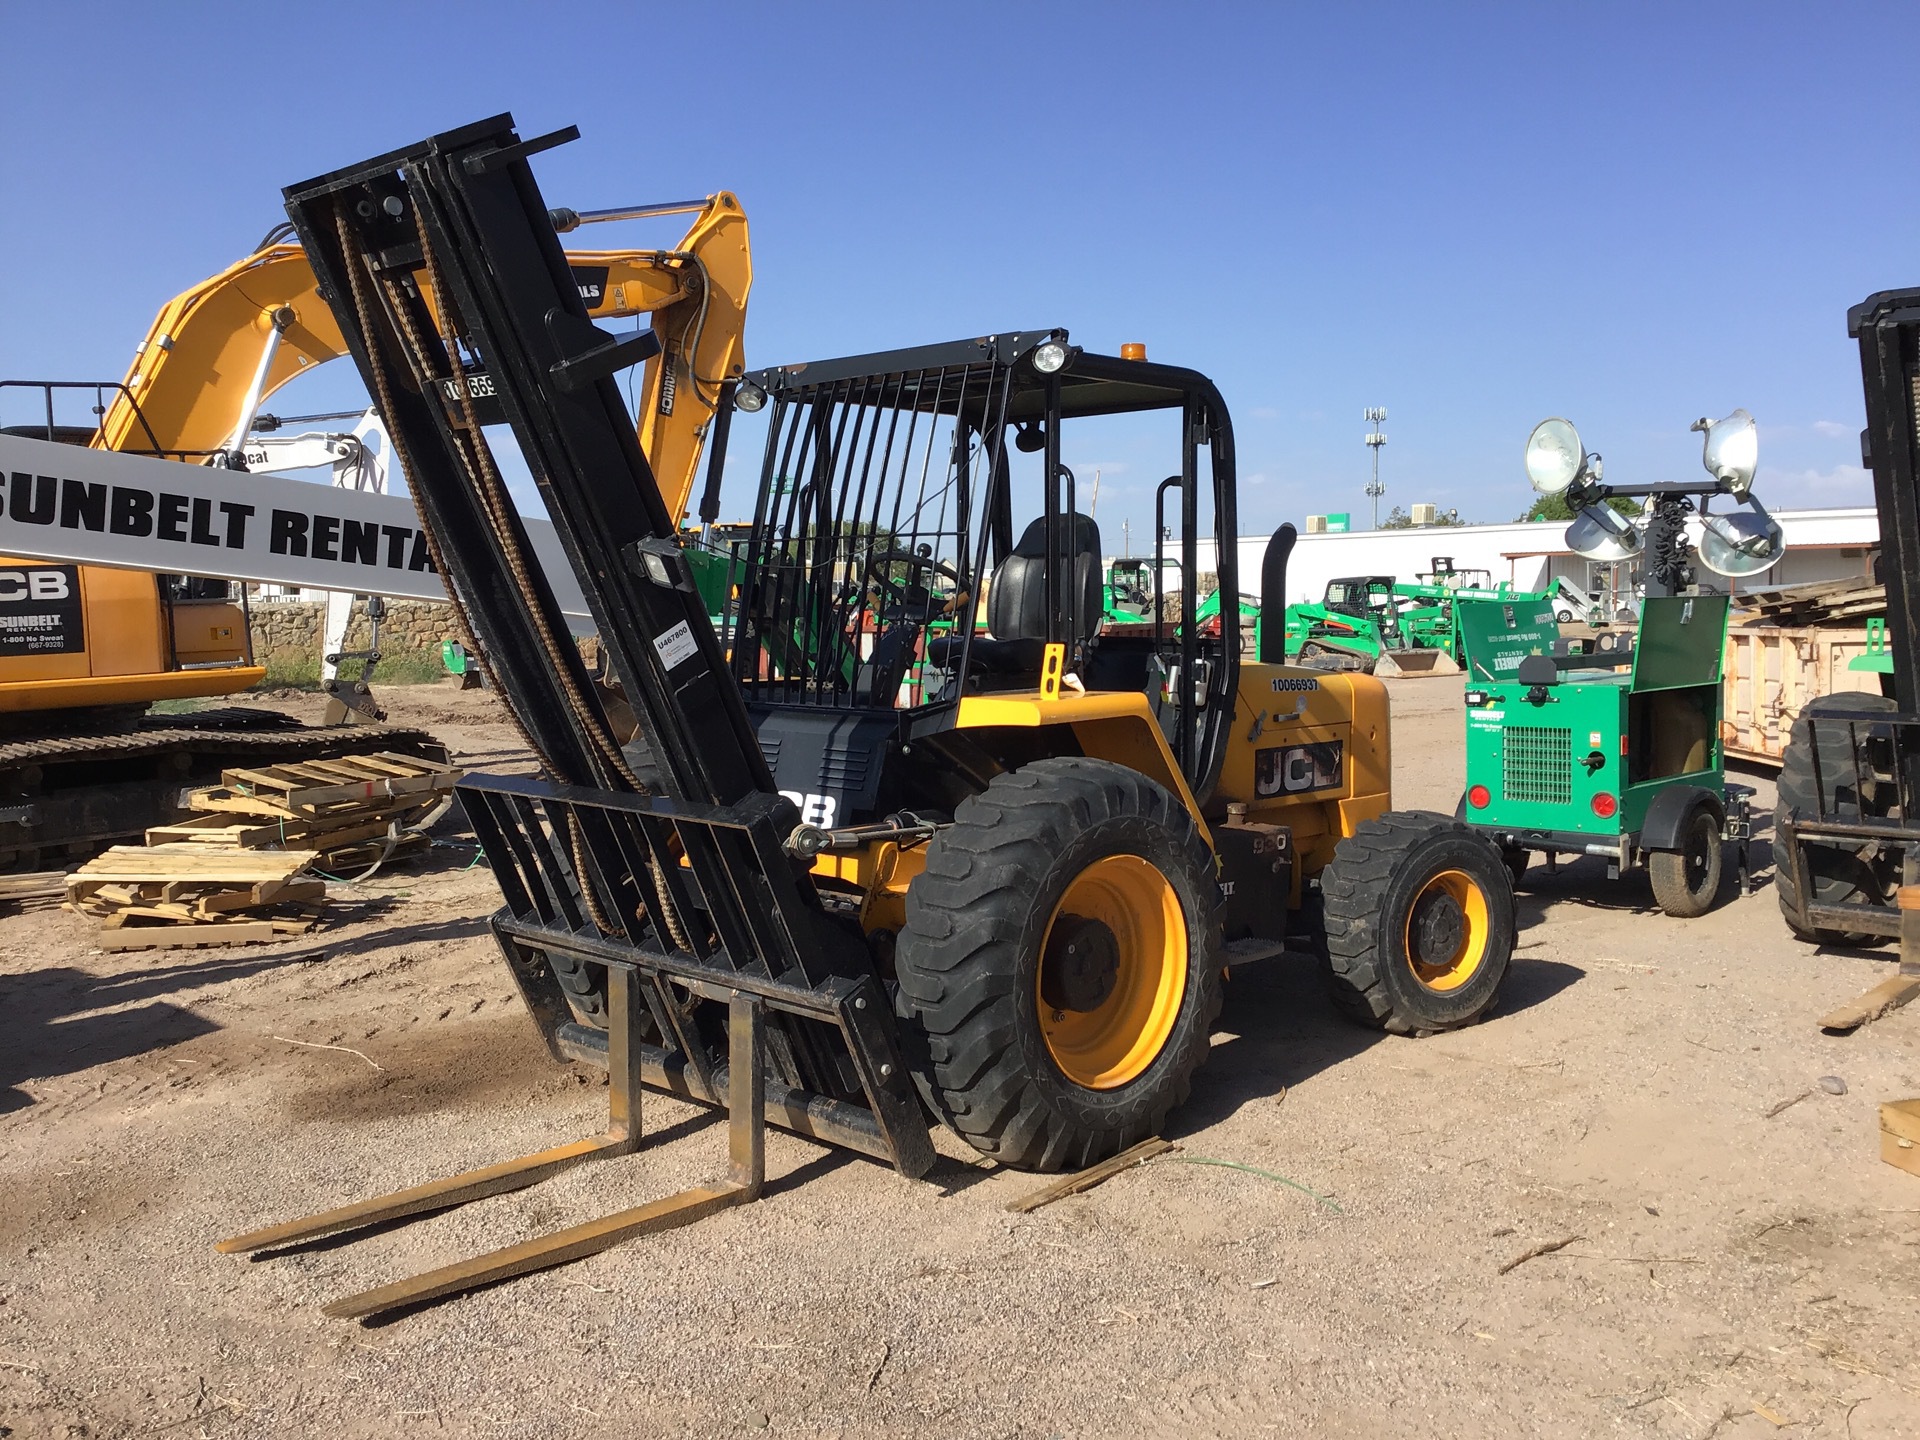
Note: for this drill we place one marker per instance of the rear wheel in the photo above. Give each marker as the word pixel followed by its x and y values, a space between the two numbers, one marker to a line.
pixel 1059 970
pixel 1686 882
pixel 1419 923
pixel 1838 873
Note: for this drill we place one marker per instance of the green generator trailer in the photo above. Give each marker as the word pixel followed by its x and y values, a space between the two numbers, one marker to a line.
pixel 1605 747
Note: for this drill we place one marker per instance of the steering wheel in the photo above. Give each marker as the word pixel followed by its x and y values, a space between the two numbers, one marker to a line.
pixel 895 591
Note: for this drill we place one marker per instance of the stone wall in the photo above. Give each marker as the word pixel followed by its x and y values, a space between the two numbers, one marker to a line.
pixel 292 627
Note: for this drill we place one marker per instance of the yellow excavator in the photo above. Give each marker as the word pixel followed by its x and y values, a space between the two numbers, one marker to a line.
pixel 92 648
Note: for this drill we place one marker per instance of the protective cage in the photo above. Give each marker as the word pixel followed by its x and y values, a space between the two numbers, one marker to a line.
pixel 899 491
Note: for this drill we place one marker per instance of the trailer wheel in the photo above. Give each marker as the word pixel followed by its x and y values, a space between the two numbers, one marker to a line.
pixel 1517 860
pixel 1838 873
pixel 1419 923
pixel 1060 968
pixel 1686 882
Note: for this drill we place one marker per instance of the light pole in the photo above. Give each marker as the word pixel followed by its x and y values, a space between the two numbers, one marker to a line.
pixel 1375 416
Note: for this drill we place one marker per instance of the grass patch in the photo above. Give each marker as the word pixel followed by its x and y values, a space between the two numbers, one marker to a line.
pixel 179 707
pixel 289 671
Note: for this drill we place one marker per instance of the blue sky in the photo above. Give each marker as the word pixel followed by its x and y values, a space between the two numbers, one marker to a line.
pixel 1474 216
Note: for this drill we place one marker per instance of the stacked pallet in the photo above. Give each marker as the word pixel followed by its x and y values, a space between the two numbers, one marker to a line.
pixel 196 894
pixel 26 889
pixel 1824 602
pixel 351 812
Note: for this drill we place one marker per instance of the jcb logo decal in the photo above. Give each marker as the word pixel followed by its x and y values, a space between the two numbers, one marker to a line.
pixel 17 586
pixel 815 809
pixel 1299 769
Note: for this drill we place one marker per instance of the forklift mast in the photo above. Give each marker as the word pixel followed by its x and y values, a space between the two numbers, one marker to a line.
pixel 1887 326
pixel 662 864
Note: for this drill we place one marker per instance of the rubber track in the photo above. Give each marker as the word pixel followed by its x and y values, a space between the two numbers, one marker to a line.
pixel 211 741
pixel 207 739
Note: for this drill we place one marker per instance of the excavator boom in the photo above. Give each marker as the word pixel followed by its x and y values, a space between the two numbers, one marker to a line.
pixel 219 350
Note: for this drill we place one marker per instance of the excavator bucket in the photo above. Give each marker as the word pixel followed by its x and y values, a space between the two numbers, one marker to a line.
pixel 1407 664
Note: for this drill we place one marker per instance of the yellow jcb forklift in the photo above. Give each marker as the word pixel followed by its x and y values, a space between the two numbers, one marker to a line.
pixel 863 863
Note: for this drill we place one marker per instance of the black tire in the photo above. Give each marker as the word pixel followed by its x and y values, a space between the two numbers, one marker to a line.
pixel 1517 861
pixel 1565 617
pixel 980 945
pixel 1686 882
pixel 1838 874
pixel 1387 894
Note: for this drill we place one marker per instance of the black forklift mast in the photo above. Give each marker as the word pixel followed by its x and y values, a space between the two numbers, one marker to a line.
pixel 455 298
pixel 462 209
pixel 1859 764
pixel 1887 325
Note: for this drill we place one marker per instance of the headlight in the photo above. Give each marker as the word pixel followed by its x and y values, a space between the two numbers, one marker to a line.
pixel 1049 357
pixel 1554 456
pixel 749 397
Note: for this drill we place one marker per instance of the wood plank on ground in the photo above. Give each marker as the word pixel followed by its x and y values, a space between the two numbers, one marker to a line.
pixel 1884 998
pixel 1093 1175
pixel 168 937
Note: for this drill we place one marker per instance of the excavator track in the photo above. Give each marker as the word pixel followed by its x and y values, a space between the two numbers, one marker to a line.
pixel 63 796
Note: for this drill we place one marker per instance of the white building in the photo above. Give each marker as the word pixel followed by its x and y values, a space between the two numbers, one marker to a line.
pixel 1821 545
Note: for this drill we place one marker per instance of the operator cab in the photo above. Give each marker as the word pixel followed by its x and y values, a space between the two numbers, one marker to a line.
pixel 1362 596
pixel 1369 598
pixel 925 530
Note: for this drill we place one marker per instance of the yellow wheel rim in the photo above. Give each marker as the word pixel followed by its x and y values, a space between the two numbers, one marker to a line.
pixel 1112 972
pixel 1447 931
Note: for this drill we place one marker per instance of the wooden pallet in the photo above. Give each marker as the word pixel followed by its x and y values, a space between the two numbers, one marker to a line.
pixel 27 888
pixel 349 811
pixel 176 937
pixel 318 790
pixel 196 894
pixel 1823 602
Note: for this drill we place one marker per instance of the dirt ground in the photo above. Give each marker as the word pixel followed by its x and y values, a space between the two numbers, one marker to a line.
pixel 1729 1274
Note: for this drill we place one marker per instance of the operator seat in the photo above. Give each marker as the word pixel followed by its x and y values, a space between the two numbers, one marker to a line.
pixel 1017 603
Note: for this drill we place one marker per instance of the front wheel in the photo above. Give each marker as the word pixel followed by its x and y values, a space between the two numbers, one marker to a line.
pixel 1060 965
pixel 1419 922
pixel 1686 882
